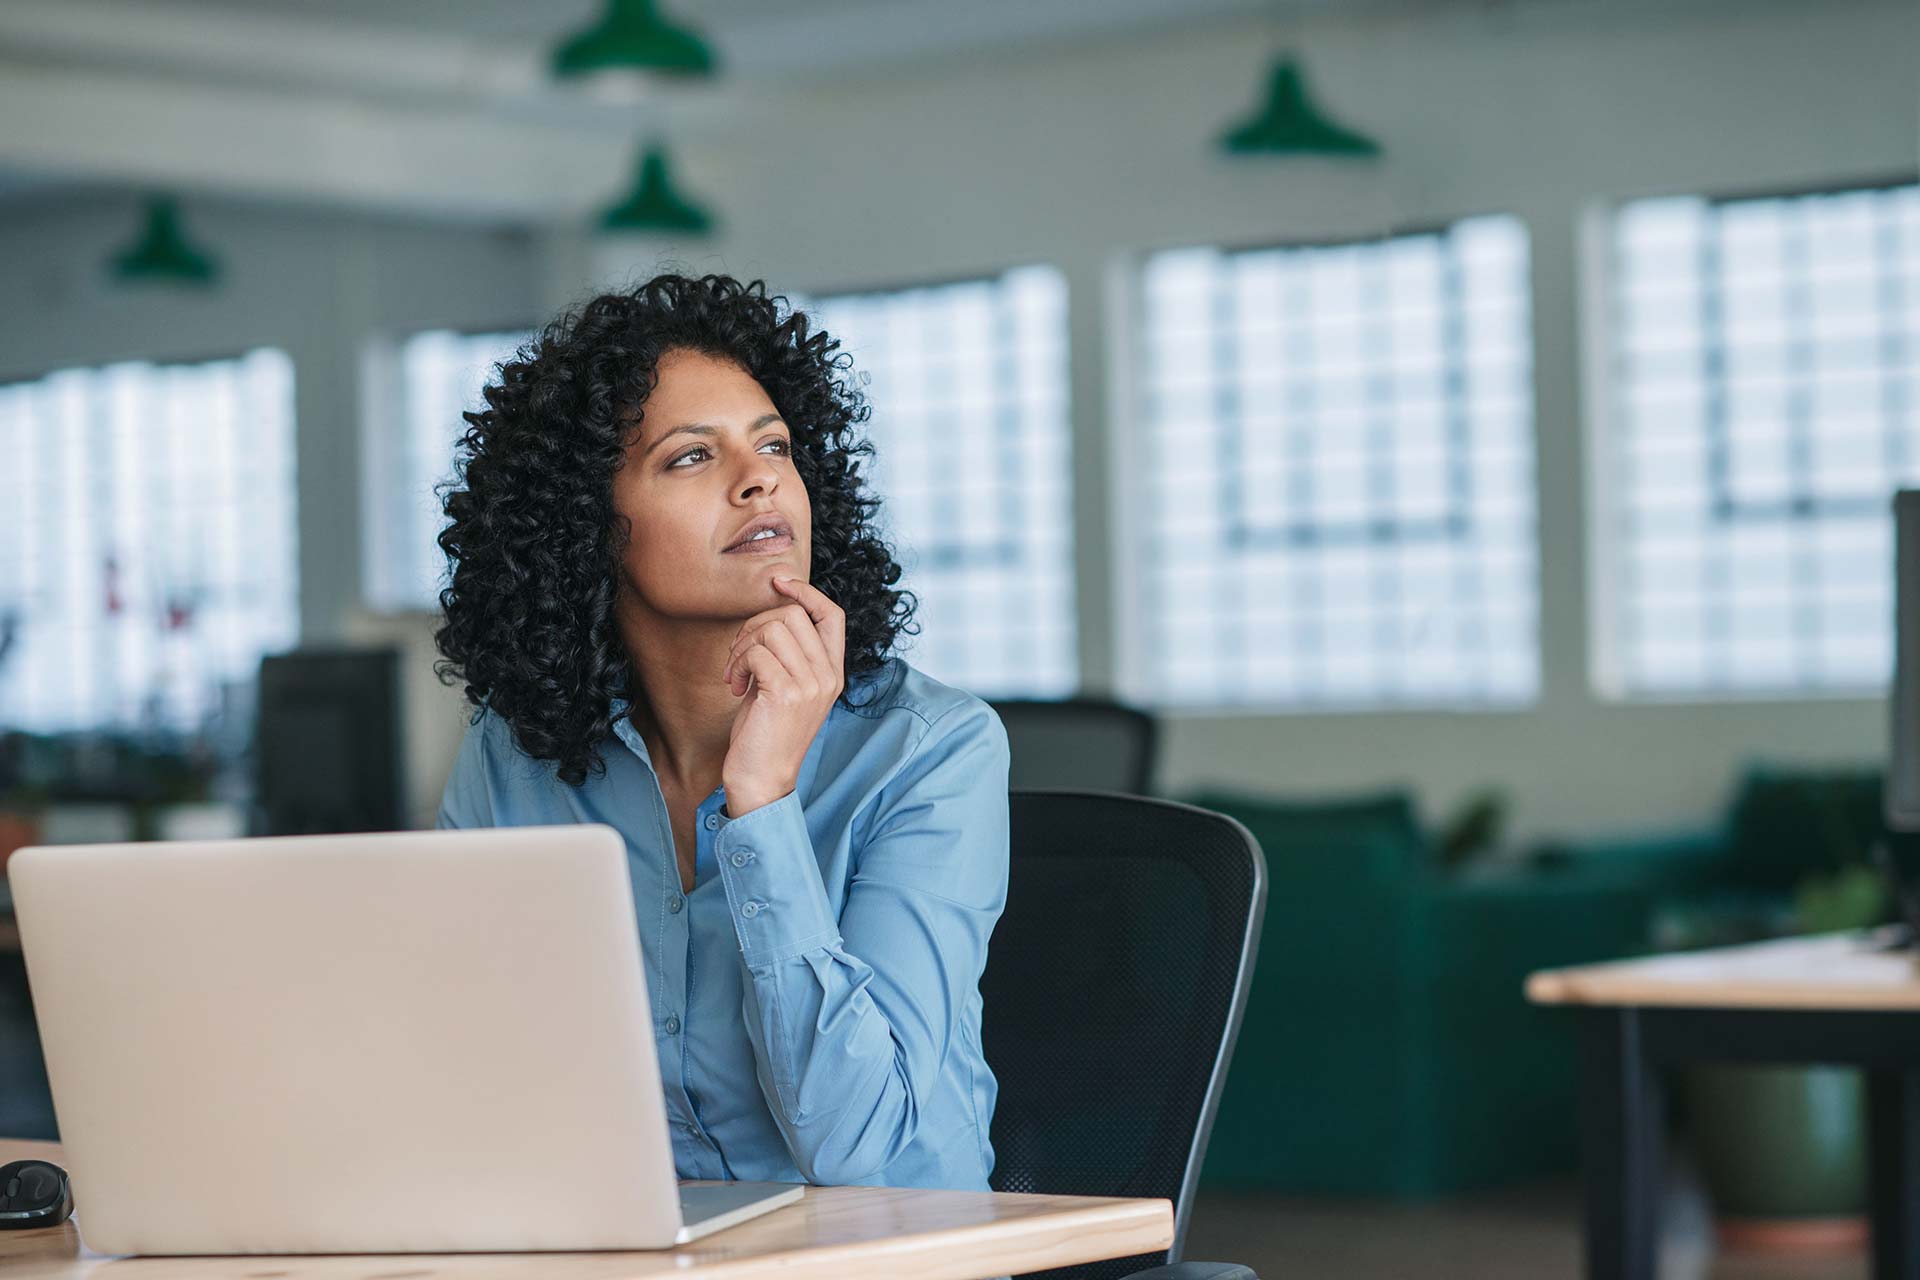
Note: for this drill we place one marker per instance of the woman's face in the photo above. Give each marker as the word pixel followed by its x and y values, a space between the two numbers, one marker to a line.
pixel 688 494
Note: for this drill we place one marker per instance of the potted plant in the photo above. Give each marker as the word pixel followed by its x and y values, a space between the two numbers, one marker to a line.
pixel 1782 1149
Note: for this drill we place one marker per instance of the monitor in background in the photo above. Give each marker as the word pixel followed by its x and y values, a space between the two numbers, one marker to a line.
pixel 327 745
pixel 1898 856
pixel 1903 766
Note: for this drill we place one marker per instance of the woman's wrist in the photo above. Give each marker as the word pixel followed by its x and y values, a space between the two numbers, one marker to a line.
pixel 744 800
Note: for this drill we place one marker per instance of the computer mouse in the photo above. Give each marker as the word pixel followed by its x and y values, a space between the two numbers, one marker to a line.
pixel 34 1193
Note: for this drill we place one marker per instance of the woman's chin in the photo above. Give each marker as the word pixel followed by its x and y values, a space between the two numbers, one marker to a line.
pixel 755 582
pixel 768 567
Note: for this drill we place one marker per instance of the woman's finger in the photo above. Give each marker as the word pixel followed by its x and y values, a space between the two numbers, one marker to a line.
pixel 748 630
pixel 829 617
pixel 768 670
pixel 752 627
pixel 811 642
pixel 779 640
pixel 758 665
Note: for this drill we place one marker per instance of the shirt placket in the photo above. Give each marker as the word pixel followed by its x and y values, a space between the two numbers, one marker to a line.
pixel 706 821
pixel 673 984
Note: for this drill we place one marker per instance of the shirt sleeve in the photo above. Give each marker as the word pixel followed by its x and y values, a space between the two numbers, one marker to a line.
pixel 851 1020
pixel 466 801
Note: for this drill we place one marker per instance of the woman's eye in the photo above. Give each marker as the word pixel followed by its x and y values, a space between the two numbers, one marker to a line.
pixel 786 447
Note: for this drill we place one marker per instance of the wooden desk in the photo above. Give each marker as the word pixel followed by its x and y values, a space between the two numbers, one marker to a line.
pixel 834 1233
pixel 1835 998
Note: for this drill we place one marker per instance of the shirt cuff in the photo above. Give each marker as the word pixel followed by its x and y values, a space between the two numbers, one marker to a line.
pixel 774 893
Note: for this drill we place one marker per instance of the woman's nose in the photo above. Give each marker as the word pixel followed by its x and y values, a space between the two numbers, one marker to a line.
pixel 760 474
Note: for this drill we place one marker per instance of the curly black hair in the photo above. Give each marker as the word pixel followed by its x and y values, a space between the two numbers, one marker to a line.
pixel 534 543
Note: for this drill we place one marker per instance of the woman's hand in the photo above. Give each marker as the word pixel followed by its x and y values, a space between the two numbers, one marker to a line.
pixel 789 663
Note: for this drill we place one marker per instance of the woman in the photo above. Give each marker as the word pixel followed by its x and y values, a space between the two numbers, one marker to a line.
pixel 672 617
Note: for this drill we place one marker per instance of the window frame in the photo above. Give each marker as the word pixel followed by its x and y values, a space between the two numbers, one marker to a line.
pixel 386 447
pixel 196 359
pixel 1601 392
pixel 1134 501
pixel 808 297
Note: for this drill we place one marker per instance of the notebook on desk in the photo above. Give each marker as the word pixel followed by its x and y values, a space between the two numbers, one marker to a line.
pixel 416 1042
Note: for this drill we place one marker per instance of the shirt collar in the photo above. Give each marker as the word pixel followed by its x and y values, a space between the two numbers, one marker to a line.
pixel 623 729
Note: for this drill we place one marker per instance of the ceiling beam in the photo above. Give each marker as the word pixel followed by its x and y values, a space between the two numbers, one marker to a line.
pixel 77 125
pixel 279 52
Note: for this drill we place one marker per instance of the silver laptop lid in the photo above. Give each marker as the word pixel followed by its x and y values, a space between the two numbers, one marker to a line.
pixel 431 1041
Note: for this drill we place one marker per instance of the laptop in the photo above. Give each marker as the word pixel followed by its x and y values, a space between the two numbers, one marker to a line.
pixel 412 1042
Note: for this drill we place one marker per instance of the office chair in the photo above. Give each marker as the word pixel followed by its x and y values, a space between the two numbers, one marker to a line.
pixel 1079 743
pixel 1115 983
pixel 329 744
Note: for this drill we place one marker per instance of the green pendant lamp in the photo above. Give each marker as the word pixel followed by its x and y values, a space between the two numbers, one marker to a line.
pixel 654 205
pixel 162 254
pixel 631 34
pixel 1289 122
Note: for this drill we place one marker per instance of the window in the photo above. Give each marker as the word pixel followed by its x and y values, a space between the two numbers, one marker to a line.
pixel 1337 474
pixel 968 387
pixel 149 558
pixel 1764 409
pixel 417 396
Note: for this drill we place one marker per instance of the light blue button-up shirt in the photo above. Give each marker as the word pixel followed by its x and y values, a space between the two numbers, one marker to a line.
pixel 816 998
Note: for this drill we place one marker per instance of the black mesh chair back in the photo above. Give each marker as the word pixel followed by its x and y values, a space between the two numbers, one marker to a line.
pixel 1092 744
pixel 1112 996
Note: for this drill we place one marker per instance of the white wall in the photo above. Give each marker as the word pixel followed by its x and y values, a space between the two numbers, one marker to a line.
pixel 1085 160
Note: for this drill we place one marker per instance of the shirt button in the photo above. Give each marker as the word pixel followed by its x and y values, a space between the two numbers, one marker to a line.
pixel 742 859
pixel 751 910
pixel 713 820
pixel 675 903
pixel 673 1025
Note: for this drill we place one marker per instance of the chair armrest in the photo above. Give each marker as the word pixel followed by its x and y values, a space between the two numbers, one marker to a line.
pixel 1197 1271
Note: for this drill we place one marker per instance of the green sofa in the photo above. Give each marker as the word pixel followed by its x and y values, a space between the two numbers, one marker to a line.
pixel 1737 880
pixel 1387 1047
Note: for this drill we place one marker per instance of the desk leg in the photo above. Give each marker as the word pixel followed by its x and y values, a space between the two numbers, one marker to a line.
pixel 1623 1147
pixel 1893 1144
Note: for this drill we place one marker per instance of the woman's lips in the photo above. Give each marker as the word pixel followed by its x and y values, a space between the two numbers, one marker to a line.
pixel 762 546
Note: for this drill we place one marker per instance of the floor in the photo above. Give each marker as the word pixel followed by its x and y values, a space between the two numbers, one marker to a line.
pixel 1527 1234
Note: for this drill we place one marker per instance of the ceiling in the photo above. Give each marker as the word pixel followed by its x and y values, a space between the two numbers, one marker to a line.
pixel 422 104
pixel 762 38
pixel 780 37
pixel 396 103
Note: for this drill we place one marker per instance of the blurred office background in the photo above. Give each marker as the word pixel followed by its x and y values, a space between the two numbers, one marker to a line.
pixel 1465 427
